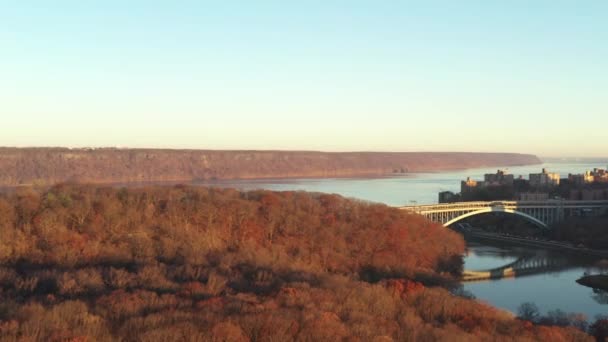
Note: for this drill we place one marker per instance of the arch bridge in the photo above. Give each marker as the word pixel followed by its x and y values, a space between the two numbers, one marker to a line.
pixel 541 213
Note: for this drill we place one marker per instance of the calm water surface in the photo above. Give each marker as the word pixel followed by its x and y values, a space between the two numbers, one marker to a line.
pixel 550 290
pixel 419 188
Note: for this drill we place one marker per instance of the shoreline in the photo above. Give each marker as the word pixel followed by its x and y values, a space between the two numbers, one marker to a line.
pixel 553 245
pixel 254 179
pixel 597 281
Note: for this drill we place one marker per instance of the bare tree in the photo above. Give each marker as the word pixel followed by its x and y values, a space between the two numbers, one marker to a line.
pixel 528 311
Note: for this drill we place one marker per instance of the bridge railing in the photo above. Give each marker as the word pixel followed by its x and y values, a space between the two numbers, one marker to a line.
pixel 458 205
pixel 507 204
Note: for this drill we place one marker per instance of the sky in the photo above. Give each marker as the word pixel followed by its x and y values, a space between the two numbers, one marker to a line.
pixel 330 75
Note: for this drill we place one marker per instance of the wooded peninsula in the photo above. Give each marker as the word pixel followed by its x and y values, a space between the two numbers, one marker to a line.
pixel 90 263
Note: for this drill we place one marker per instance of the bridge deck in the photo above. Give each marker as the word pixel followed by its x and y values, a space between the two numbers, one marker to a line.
pixel 508 204
pixel 541 213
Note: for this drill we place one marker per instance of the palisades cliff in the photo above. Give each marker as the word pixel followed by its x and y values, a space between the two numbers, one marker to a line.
pixel 25 166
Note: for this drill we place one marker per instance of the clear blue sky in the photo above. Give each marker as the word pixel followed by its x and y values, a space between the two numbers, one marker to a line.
pixel 517 76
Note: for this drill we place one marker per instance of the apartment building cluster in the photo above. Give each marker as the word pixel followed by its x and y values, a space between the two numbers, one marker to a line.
pixel 502 178
pixel 544 179
pixel 591 185
pixel 589 177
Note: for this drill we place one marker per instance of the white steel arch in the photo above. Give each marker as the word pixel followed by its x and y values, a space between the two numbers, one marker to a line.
pixel 497 210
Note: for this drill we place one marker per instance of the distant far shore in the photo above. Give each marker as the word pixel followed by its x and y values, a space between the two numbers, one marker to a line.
pixel 46 166
pixel 575 159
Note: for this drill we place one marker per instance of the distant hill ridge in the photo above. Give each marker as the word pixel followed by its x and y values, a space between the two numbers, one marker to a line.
pixel 21 166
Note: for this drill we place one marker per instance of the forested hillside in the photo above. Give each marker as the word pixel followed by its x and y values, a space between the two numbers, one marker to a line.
pixel 52 165
pixel 180 263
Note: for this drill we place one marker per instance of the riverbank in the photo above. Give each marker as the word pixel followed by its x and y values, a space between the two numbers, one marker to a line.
pixel 598 281
pixel 533 242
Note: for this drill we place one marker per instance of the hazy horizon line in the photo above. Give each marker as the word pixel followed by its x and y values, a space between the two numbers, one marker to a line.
pixel 101 147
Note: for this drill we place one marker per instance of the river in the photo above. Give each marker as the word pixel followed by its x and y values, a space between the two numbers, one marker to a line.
pixel 549 290
pixel 418 188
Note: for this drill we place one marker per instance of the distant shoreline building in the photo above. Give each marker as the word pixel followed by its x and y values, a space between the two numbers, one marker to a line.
pixel 588 194
pixel 599 175
pixel 448 197
pixel 468 185
pixel 544 179
pixel 500 178
pixel 591 185
pixel 533 196
pixel 581 179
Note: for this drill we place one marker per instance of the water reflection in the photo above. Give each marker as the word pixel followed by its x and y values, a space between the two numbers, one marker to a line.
pixel 600 296
pixel 480 257
pixel 550 289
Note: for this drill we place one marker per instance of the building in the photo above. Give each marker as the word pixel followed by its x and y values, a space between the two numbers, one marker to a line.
pixel 599 175
pixel 447 197
pixel 594 176
pixel 581 179
pixel 521 185
pixel 589 194
pixel 468 185
pixel 544 179
pixel 497 185
pixel 533 196
pixel 500 178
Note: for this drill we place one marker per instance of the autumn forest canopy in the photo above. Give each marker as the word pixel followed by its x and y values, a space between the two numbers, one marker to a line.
pixel 94 263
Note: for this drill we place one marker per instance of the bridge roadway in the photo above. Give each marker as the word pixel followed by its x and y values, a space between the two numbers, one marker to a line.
pixel 541 213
